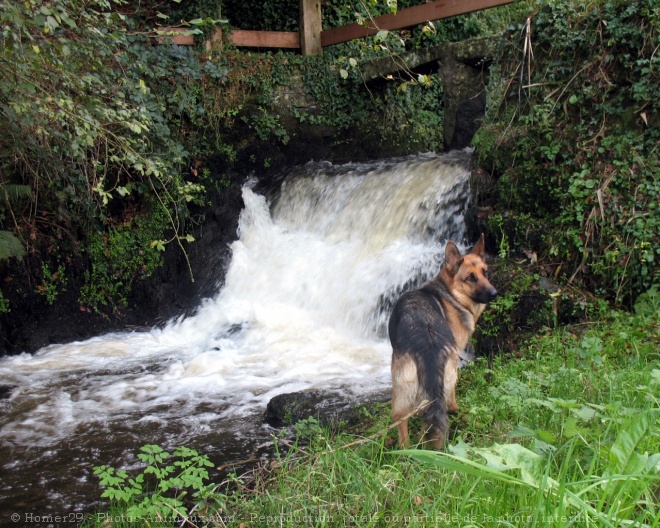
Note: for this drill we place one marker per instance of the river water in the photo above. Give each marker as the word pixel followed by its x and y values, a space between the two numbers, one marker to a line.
pixel 304 305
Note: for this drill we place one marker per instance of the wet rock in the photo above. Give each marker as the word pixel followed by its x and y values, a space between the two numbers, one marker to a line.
pixel 287 409
pixel 328 407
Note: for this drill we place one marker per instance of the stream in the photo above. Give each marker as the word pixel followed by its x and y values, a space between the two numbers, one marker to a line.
pixel 304 305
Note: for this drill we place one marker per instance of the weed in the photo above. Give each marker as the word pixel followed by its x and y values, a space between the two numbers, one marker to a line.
pixel 171 481
pixel 568 136
pixel 53 283
pixel 124 254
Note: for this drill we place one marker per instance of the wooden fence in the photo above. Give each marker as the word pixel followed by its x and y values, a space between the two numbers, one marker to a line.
pixel 311 39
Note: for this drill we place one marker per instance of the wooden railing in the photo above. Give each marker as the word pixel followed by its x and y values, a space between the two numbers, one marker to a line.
pixel 312 39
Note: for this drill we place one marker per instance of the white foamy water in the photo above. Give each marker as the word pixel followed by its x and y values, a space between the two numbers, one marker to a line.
pixel 304 305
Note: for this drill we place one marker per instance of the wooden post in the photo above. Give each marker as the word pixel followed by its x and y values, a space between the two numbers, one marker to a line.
pixel 310 27
pixel 215 42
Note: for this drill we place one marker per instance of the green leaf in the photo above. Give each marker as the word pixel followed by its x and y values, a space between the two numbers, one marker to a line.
pixel 590 184
pixel 135 127
pixel 584 413
pixel 546 436
pixel 622 452
pixel 627 466
pixel 500 461
pixel 10 246
pixel 655 377
pixel 158 244
pixel 463 465
pixel 381 35
pixel 571 428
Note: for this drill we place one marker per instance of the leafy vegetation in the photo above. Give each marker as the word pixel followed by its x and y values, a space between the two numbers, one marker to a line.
pixel 172 480
pixel 572 135
pixel 89 136
pixel 566 435
pixel 120 256
pixel 104 128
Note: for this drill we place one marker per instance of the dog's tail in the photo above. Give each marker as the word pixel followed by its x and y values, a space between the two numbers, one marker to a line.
pixel 435 415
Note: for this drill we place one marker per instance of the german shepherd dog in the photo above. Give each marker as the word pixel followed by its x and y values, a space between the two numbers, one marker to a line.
pixel 428 329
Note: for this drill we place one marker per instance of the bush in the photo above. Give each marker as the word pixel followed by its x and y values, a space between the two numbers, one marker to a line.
pixel 89 110
pixel 572 133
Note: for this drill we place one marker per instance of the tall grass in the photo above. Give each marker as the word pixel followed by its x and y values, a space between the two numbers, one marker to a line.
pixel 566 435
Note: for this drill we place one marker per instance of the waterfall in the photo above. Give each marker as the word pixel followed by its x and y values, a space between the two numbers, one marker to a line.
pixel 304 305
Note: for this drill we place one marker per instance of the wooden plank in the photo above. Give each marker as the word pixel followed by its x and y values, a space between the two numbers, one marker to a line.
pixel 407 17
pixel 176 36
pixel 265 39
pixel 310 27
pixel 240 37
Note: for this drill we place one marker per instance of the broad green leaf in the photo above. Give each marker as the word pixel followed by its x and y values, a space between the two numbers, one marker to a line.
pixel 623 456
pixel 571 428
pixel 10 246
pixel 546 436
pixel 584 413
pixel 520 431
pixel 381 35
pixel 655 377
pixel 510 456
pixel 462 465
pixel 626 461
pixel 529 463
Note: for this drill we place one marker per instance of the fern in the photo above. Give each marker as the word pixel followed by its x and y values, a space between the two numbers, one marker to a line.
pixel 10 246
pixel 14 192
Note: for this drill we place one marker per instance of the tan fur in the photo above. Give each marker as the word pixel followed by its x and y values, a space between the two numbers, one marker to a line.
pixel 407 396
pixel 465 277
pixel 451 377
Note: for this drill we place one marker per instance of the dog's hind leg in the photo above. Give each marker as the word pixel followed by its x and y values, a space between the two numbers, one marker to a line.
pixel 450 380
pixel 405 391
pixel 404 436
pixel 431 435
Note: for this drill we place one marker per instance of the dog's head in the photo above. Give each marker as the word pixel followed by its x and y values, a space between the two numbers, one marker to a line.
pixel 467 275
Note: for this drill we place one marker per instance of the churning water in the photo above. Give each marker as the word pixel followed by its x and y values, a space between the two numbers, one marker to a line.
pixel 304 305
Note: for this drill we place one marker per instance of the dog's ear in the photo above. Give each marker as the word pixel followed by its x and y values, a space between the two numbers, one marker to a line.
pixel 479 247
pixel 453 258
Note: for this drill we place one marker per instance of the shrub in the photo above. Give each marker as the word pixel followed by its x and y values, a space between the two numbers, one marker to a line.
pixel 572 133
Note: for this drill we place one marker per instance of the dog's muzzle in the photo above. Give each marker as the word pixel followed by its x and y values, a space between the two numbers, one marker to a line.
pixel 485 295
pixel 492 294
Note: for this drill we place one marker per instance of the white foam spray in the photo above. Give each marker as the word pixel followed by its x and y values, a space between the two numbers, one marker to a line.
pixel 304 305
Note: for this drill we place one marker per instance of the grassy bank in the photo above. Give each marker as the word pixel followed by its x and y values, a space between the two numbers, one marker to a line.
pixel 564 435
